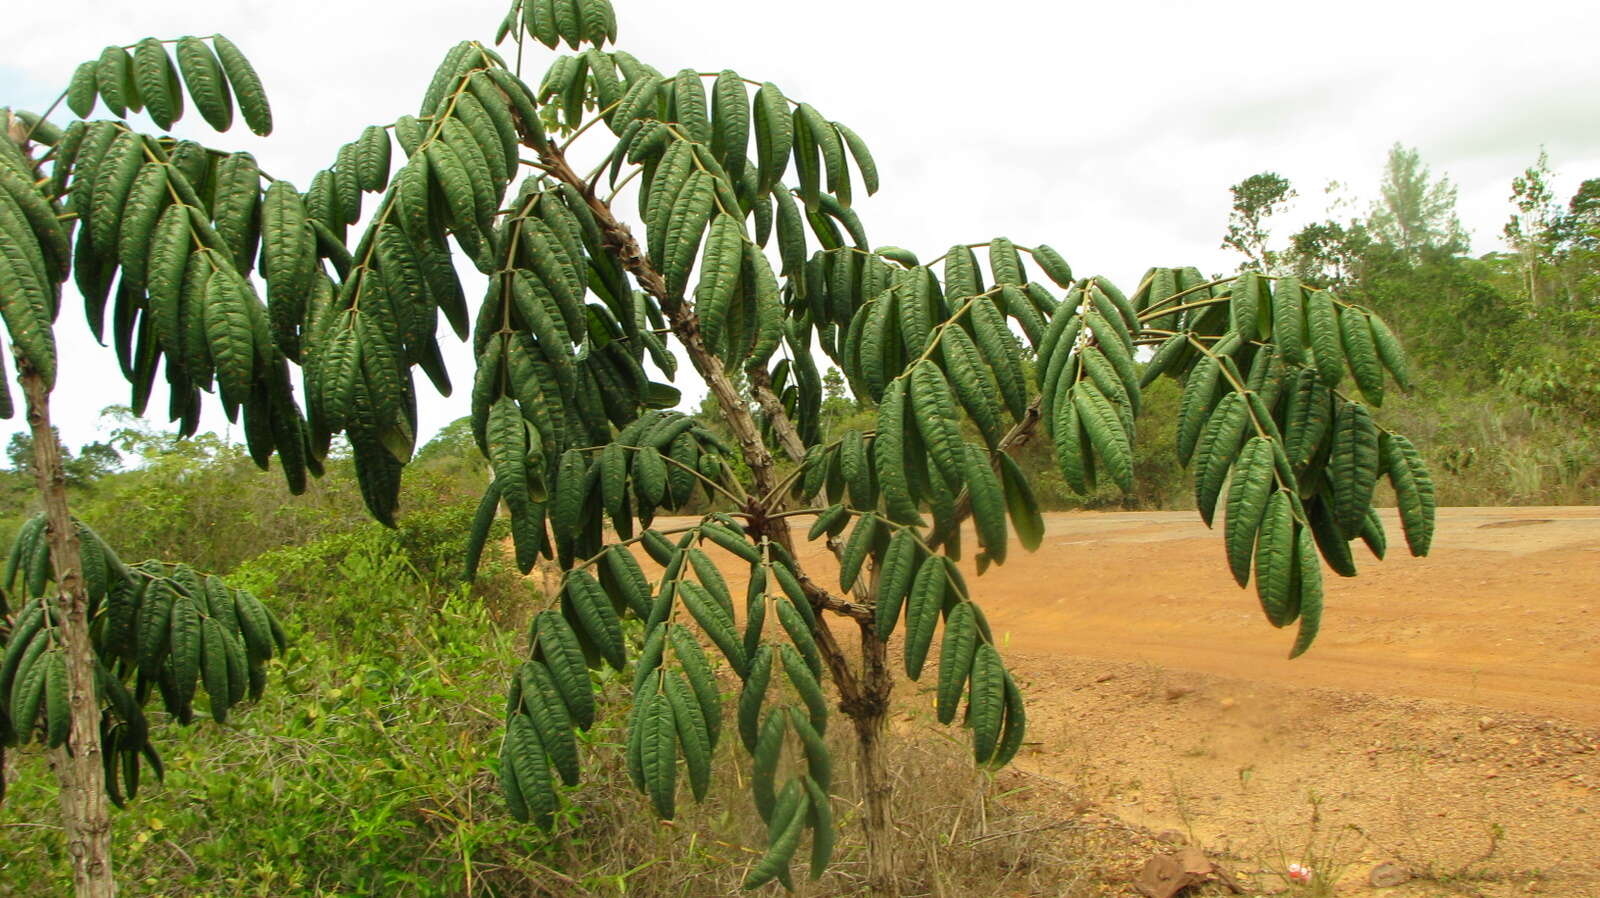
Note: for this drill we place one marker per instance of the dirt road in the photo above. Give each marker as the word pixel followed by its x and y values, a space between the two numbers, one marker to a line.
pixel 1505 613
pixel 1450 709
pixel 1447 719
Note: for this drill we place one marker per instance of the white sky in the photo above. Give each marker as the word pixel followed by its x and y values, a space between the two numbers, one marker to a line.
pixel 1110 130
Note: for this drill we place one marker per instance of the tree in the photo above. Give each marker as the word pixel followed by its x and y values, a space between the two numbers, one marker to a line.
pixel 1532 230
pixel 748 280
pixel 1255 199
pixel 93 461
pixel 1416 214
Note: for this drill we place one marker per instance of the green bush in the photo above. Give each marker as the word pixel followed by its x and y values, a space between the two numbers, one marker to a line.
pixel 365 769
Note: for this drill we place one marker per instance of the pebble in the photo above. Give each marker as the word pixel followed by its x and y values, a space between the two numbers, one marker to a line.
pixel 1387 875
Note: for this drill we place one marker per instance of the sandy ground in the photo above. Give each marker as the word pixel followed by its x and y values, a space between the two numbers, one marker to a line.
pixel 1447 719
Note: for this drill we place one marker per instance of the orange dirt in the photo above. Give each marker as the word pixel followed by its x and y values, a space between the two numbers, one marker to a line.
pixel 1451 703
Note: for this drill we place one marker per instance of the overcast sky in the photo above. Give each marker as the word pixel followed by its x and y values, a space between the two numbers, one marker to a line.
pixel 1110 130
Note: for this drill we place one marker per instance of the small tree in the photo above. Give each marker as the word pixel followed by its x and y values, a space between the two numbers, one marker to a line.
pixel 1255 199
pixel 747 279
pixel 1415 213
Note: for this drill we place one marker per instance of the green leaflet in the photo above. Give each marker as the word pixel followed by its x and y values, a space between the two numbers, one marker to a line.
pixel 751 696
pixel 1308 418
pixel 703 683
pixel 229 331
pixel 1021 504
pixel 830 144
pixel 856 549
pixel 973 381
pixel 1413 489
pixel 598 616
pixel 1005 263
pixel 808 170
pixel 935 415
pixel 1245 306
pixel 1247 500
pixel 986 701
pixel 864 162
pixel 686 222
pixel 715 620
pixel 1353 466
pixel 690 726
pixel 720 264
pixel 246 86
pixel 1072 456
pixel 1002 354
pixel 113 178
pixel 1055 267
pixel 774 136
pixel 557 646
pixel 207 84
pixel 1332 543
pixel 955 659
pixel 1215 452
pixel 658 752
pixel 689 100
pixel 157 81
pixel 730 124
pixel 114 78
pixel 1111 442
pixel 1288 316
pixel 236 198
pixel 1322 325
pixel 1362 351
pixel 1310 598
pixel 922 612
pixel 1275 559
pixel 1199 390
pixel 988 503
pixel 784 837
pixel 894 579
pixel 806 685
pixel 81 90
pixel 1373 535
pixel 1390 352
pixel 768 745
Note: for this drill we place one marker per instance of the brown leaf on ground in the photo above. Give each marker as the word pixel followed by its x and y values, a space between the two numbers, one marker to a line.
pixel 1166 875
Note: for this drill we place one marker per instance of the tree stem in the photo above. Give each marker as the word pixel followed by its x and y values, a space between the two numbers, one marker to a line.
pixel 77 765
pixel 863 696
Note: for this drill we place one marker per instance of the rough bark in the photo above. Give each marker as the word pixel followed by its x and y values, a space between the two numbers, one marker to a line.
pixel 85 818
pixel 877 795
pixel 788 437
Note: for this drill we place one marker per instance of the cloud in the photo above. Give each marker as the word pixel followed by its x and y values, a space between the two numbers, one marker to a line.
pixel 1111 131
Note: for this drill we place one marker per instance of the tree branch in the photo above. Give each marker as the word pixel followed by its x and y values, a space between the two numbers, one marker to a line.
pixel 788 436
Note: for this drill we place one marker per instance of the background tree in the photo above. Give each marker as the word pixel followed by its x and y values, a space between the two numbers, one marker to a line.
pixel 93 461
pixel 1532 230
pixel 1255 199
pixel 748 280
pixel 1414 213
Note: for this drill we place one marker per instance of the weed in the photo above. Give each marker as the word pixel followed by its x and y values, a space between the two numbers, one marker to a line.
pixel 1312 865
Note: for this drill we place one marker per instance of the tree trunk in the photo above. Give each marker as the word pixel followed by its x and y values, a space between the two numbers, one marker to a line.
pixel 869 714
pixel 863 697
pixel 77 765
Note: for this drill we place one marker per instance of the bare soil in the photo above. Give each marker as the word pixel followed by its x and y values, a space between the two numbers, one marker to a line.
pixel 1446 721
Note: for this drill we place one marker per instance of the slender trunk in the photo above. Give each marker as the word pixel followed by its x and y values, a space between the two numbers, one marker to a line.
pixel 863 696
pixel 77 765
pixel 870 717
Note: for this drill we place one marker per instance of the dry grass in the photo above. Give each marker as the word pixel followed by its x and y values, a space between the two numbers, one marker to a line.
pixel 961 832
